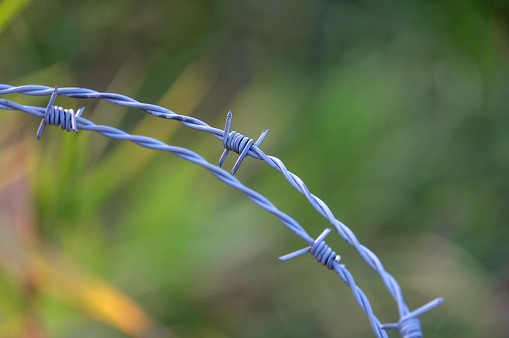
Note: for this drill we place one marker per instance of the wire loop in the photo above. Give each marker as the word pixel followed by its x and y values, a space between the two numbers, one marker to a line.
pixel 58 116
pixel 238 143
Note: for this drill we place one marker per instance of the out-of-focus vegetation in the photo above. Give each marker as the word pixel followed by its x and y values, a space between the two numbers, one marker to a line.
pixel 395 114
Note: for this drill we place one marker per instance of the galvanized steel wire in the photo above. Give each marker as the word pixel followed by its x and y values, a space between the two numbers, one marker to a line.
pixel 408 323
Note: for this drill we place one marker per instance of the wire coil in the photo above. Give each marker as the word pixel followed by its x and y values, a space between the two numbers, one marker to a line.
pixel 324 254
pixel 58 116
pixel 410 328
pixel 237 142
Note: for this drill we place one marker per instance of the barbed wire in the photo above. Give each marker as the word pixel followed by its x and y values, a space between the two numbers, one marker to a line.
pixel 408 324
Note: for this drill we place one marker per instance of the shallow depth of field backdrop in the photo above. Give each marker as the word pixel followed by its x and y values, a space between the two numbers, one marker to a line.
pixel 395 114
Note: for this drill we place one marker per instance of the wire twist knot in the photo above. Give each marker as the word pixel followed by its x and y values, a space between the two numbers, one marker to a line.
pixel 320 250
pixel 58 116
pixel 238 143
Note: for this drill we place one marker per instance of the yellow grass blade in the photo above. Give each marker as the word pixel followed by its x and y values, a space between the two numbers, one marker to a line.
pixel 9 9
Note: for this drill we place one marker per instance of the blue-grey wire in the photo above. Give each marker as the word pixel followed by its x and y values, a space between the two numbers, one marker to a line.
pixel 224 176
pixel 254 151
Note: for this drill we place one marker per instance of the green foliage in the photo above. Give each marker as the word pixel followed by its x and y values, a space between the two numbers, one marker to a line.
pixel 395 114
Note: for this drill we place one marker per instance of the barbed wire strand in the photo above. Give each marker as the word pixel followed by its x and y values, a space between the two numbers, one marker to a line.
pixel 409 325
pixel 224 176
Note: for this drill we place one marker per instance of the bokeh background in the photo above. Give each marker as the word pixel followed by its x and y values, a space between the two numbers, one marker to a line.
pixel 394 113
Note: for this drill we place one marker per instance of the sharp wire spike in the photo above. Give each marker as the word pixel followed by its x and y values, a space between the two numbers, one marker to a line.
pixel 47 112
pixel 226 134
pixel 227 127
pixel 73 121
pixel 295 254
pixel 80 111
pixel 223 157
pixel 426 307
pixel 323 235
pixel 261 138
pixel 241 157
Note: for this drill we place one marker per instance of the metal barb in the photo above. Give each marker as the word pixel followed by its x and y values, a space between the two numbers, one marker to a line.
pixel 234 139
pixel 414 314
pixel 241 157
pixel 59 116
pixel 47 112
pixel 225 137
pixel 307 249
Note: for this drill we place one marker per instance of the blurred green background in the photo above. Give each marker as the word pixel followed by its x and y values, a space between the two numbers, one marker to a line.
pixel 394 113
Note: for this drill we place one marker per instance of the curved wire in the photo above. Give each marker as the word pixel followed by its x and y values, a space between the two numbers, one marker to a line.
pixel 227 178
pixel 253 151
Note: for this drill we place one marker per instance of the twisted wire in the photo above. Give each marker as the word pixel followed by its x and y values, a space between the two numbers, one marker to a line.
pixel 253 151
pixel 224 176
